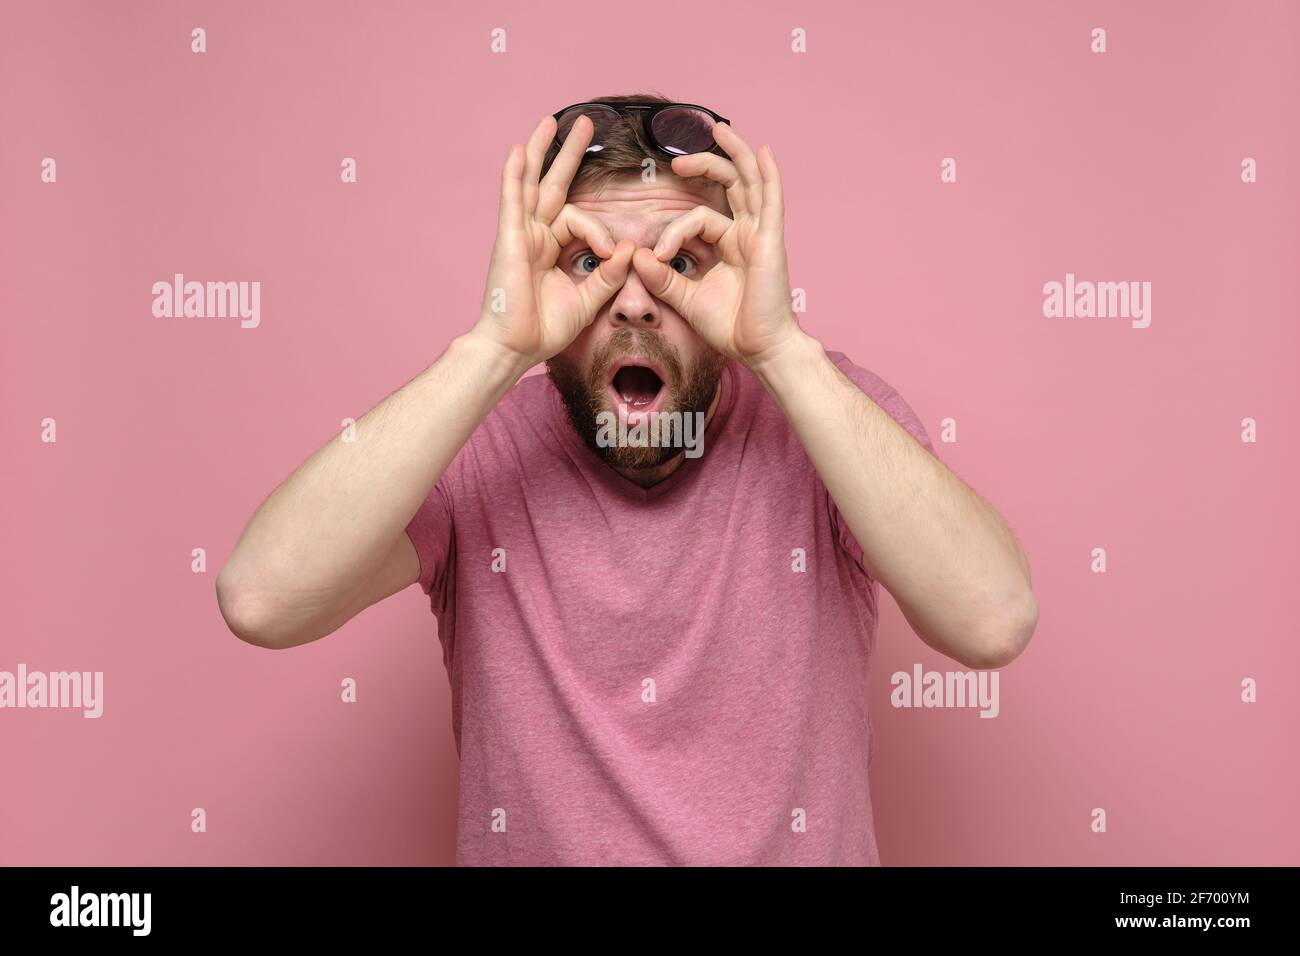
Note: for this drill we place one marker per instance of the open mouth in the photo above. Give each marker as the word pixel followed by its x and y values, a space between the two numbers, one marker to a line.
pixel 637 386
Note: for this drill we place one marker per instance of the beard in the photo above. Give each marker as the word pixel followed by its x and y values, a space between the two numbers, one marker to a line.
pixel 689 389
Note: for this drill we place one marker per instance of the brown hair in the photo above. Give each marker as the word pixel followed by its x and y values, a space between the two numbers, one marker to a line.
pixel 625 148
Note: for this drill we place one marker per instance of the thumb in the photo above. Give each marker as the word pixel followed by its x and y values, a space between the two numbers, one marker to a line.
pixel 663 281
pixel 596 289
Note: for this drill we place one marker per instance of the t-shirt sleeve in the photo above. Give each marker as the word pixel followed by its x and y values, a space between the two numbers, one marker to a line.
pixel 888 398
pixel 430 532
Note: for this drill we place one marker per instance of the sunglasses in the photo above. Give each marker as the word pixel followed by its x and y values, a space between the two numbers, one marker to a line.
pixel 675 129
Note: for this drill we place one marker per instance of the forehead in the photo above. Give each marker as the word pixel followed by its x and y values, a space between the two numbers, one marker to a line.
pixel 639 210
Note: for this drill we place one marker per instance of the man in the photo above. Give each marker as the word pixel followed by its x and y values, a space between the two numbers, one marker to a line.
pixel 658 652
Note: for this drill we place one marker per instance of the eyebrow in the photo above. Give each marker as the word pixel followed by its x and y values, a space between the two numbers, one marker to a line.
pixel 661 220
pixel 664 223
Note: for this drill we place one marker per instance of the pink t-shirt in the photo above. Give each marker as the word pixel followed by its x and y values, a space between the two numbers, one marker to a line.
pixel 644 676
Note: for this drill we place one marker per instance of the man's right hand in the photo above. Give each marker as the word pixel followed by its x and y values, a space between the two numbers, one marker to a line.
pixel 328 541
pixel 532 308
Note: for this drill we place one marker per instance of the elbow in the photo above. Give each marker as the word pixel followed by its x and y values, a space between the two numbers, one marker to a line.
pixel 1006 636
pixel 248 615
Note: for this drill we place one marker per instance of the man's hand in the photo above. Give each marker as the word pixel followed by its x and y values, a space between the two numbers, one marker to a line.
pixel 328 541
pixel 954 567
pixel 742 305
pixel 531 307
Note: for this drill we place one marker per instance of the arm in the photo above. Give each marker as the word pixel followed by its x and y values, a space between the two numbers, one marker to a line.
pixel 949 560
pixel 329 541
pixel 957 572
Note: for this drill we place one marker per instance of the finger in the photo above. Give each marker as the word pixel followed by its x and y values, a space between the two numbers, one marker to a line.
pixel 720 170
pixel 511 212
pixel 538 143
pixel 574 223
pixel 554 187
pixel 662 282
pixel 596 289
pixel 702 221
pixel 771 219
pixel 743 157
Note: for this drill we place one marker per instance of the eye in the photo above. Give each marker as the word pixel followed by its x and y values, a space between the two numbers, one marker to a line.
pixel 682 262
pixel 586 262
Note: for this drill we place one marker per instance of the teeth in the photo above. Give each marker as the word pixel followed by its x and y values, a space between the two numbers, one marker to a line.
pixel 627 398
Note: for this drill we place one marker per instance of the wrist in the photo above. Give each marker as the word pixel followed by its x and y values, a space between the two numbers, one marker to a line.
pixel 501 366
pixel 785 361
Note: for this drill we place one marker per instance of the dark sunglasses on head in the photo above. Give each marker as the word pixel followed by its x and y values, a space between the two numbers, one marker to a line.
pixel 675 129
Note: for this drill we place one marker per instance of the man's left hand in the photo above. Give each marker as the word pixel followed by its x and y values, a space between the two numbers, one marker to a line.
pixel 742 305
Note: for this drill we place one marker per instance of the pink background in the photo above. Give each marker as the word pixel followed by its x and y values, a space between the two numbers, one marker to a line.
pixel 1083 432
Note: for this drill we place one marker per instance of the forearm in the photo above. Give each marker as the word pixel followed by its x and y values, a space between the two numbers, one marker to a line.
pixel 954 567
pixel 322 533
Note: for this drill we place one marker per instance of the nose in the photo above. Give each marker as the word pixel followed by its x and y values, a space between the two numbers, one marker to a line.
pixel 634 307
